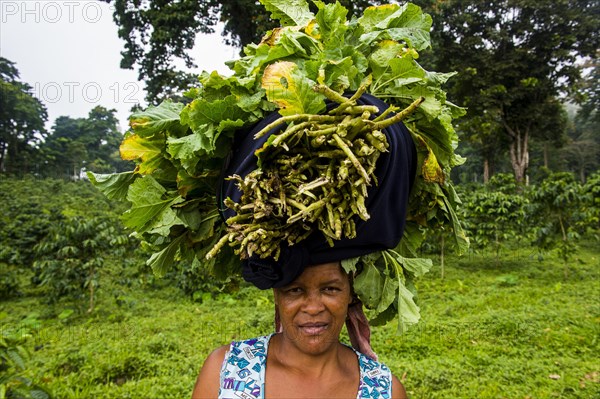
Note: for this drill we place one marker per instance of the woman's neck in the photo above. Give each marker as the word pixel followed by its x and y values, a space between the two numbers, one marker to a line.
pixel 285 354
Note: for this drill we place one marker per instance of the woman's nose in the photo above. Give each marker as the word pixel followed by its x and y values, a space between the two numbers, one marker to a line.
pixel 313 303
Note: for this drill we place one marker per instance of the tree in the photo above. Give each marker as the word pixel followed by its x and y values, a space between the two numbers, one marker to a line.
pixel 91 142
pixel 514 58
pixel 157 33
pixel 581 152
pixel 590 91
pixel 583 147
pixel 22 118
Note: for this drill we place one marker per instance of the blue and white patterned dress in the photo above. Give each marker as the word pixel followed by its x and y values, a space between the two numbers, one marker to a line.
pixel 243 372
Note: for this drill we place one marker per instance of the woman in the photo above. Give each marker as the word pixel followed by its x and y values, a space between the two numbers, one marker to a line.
pixel 313 295
pixel 305 360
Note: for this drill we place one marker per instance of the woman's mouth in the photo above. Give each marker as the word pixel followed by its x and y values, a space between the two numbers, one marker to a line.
pixel 313 328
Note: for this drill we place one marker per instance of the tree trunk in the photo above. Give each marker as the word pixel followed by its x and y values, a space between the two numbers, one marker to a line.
pixel 519 152
pixel 546 155
pixel 2 155
pixel 91 288
pixel 486 170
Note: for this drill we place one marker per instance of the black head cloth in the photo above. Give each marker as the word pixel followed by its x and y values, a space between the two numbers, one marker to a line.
pixel 386 204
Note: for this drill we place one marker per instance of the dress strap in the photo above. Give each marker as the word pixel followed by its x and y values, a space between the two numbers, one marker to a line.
pixel 375 379
pixel 243 370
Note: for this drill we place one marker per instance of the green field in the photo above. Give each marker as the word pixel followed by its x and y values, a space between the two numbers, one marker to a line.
pixel 512 327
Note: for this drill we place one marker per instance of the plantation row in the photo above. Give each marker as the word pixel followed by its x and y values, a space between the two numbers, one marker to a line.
pixel 552 215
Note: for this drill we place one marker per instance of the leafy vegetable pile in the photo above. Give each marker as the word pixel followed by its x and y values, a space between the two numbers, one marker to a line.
pixel 180 150
pixel 313 174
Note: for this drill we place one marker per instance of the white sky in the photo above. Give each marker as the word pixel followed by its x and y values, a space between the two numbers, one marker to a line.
pixel 69 52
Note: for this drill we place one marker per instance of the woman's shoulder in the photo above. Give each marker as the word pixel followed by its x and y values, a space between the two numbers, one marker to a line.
pixel 240 353
pixel 208 381
pixel 398 391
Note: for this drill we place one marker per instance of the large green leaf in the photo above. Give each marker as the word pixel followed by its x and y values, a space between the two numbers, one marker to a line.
pixel 408 311
pixel 331 20
pixel 349 264
pixel 188 149
pixel 209 118
pixel 369 283
pixel 406 23
pixel 462 241
pixel 373 16
pixel 164 259
pixel 164 221
pixel 163 118
pixel 417 267
pixel 384 52
pixel 289 12
pixel 431 107
pixel 388 292
pixel 149 200
pixel 115 185
pixel 393 74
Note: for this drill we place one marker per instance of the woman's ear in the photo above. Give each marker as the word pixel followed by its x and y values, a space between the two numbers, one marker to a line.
pixel 278 326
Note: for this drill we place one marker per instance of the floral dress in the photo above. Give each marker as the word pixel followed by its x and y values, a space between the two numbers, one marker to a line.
pixel 243 372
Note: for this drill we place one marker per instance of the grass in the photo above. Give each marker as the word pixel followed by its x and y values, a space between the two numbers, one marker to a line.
pixel 512 327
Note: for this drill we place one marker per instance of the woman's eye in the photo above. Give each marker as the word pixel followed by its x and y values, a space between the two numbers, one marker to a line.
pixel 332 289
pixel 294 290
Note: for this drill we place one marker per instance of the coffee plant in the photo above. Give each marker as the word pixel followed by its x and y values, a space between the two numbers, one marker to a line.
pixel 494 214
pixel 560 215
pixel 69 258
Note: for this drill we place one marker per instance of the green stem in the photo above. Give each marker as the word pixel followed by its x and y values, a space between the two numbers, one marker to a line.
pixel 288 132
pixel 359 168
pixel 352 100
pixel 385 113
pixel 330 94
pixel 398 117
pixel 312 207
pixel 321 181
pixel 295 118
pixel 217 247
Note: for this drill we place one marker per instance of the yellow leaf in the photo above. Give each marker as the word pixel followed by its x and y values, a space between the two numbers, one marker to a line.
pixel 146 151
pixel 290 90
pixel 432 172
pixel 278 76
pixel 272 37
pixel 312 30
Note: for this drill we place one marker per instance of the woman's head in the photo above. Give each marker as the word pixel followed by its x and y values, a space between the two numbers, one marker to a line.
pixel 313 307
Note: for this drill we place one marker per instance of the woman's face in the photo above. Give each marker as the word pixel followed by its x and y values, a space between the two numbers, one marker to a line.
pixel 313 308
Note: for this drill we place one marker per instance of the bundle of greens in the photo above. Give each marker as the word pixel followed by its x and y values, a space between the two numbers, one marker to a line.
pixel 312 58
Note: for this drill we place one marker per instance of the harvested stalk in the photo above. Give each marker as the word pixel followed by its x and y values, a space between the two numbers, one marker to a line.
pixel 313 175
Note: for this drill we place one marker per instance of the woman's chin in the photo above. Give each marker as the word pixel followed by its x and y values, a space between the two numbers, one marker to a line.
pixel 313 340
